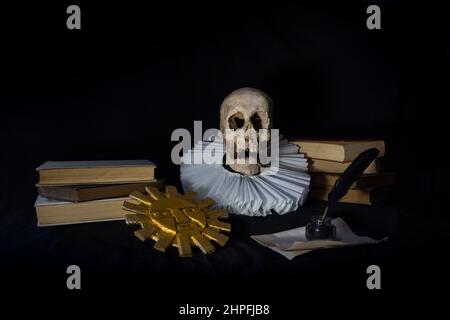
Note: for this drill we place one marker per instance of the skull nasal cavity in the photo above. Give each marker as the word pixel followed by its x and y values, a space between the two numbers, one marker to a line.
pixel 256 121
pixel 236 121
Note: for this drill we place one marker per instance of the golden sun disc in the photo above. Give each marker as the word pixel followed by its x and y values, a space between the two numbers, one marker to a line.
pixel 171 218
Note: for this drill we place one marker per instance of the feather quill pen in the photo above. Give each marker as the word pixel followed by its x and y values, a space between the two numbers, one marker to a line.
pixel 350 175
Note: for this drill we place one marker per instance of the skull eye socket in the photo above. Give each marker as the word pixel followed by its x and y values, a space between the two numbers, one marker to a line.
pixel 256 121
pixel 236 121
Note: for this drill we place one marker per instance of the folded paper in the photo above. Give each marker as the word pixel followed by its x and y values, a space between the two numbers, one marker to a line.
pixel 293 242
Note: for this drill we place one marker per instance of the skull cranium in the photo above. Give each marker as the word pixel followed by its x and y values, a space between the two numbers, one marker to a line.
pixel 246 111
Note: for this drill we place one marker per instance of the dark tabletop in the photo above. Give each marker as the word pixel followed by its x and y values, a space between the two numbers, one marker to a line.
pixel 111 246
pixel 113 261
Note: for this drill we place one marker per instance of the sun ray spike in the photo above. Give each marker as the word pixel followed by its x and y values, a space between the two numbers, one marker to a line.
pixel 164 241
pixel 146 233
pixel 219 225
pixel 205 203
pixel 138 218
pixel 171 191
pixel 183 245
pixel 134 207
pixel 203 243
pixel 213 235
pixel 141 198
pixel 154 192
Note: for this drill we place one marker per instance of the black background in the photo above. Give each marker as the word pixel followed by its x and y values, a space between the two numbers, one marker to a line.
pixel 118 87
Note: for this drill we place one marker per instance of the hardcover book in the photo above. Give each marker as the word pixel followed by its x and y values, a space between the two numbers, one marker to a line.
pixel 337 150
pixel 54 212
pixel 60 173
pixel 318 165
pixel 81 193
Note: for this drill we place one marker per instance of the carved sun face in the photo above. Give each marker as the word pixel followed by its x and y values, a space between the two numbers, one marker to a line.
pixel 170 218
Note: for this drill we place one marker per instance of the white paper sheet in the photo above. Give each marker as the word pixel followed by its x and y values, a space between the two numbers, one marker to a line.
pixel 293 242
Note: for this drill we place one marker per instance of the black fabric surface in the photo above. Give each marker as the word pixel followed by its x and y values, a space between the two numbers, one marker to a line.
pixel 114 262
pixel 111 246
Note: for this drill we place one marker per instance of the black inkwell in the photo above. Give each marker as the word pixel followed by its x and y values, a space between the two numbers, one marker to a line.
pixel 321 227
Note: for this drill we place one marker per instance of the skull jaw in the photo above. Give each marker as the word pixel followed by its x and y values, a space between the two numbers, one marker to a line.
pixel 246 169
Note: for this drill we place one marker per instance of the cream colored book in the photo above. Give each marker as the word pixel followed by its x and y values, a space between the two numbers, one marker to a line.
pixel 60 173
pixel 54 212
pixel 318 165
pixel 337 150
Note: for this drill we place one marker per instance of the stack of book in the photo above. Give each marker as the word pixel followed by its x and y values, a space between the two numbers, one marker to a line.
pixel 329 158
pixel 89 191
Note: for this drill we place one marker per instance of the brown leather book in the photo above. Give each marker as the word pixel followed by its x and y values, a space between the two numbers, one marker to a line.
pixel 82 193
pixel 326 166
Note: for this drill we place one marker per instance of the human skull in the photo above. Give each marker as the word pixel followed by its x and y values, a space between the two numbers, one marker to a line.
pixel 246 111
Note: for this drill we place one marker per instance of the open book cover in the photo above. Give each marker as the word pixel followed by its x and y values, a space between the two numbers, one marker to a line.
pixel 281 189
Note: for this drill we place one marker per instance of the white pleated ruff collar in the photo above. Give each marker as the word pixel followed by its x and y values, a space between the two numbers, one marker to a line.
pixel 279 190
